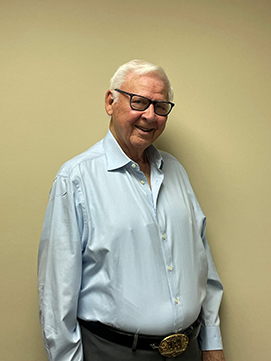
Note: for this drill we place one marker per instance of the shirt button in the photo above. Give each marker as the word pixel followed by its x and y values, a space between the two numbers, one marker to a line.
pixel 142 182
pixel 163 236
pixel 133 165
pixel 176 300
pixel 170 268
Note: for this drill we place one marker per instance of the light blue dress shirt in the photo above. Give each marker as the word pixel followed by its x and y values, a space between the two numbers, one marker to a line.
pixel 115 250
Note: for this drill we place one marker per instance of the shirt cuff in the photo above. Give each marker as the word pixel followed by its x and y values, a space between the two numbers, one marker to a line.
pixel 210 338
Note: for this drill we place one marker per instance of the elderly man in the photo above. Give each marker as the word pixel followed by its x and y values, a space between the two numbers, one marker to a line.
pixel 125 271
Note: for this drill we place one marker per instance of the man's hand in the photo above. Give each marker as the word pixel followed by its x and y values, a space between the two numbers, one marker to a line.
pixel 217 355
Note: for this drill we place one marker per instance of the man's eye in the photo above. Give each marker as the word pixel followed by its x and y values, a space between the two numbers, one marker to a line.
pixel 139 103
pixel 162 106
pixel 139 100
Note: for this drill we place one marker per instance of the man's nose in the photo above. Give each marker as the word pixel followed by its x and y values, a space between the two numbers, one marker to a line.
pixel 149 113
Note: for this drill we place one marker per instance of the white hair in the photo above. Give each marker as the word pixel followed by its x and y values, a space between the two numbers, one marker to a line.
pixel 138 67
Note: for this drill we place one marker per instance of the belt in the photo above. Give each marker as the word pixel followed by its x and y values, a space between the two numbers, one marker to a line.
pixel 168 346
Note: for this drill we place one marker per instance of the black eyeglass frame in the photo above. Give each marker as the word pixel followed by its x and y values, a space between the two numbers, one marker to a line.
pixel 154 102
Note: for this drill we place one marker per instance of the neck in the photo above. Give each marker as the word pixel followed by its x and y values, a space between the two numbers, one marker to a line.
pixel 146 169
pixel 141 159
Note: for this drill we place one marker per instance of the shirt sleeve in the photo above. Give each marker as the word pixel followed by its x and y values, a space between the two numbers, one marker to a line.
pixel 210 335
pixel 59 273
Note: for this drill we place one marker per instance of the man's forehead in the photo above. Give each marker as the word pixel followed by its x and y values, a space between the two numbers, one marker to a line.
pixel 147 81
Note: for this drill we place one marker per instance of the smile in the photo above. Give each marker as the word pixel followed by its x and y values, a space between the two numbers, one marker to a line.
pixel 146 130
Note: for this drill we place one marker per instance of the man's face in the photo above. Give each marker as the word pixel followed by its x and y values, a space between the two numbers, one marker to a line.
pixel 136 130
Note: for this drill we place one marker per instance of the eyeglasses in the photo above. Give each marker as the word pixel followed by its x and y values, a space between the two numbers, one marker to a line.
pixel 140 103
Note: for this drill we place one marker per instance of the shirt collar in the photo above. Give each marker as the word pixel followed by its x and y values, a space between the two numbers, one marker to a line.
pixel 116 158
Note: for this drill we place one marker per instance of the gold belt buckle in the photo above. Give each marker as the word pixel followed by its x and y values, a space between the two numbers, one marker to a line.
pixel 173 345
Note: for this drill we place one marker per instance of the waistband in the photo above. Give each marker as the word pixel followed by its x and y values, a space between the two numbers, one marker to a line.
pixel 137 341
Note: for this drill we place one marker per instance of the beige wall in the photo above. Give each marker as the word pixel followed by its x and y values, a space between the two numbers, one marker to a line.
pixel 56 61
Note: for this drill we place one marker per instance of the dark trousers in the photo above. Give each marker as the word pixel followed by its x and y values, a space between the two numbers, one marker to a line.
pixel 98 349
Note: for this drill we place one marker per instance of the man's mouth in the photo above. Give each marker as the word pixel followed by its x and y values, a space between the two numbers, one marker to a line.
pixel 146 130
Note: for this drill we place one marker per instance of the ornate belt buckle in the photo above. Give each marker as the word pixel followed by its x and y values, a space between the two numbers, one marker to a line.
pixel 173 345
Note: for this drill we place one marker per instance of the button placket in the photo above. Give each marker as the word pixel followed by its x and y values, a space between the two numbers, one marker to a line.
pixel 139 175
pixel 170 267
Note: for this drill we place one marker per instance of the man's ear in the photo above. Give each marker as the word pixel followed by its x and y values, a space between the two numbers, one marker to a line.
pixel 109 100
